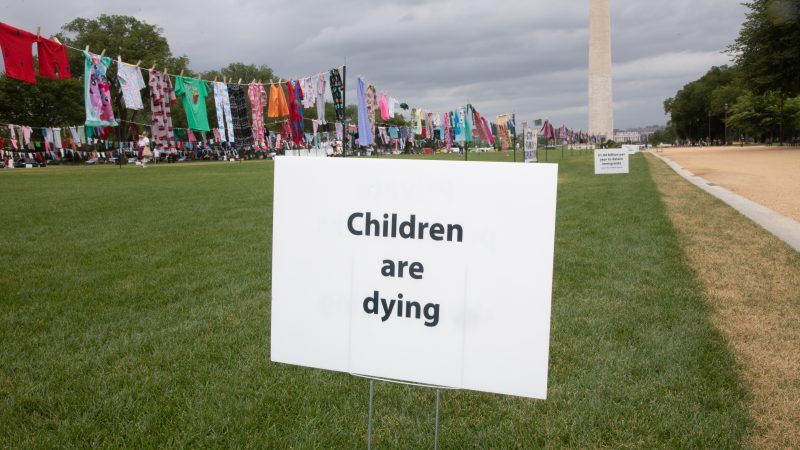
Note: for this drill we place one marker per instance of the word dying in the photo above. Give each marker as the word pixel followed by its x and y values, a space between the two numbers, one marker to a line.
pixel 374 304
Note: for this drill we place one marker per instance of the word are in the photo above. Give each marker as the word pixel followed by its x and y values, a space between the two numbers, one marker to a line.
pixel 402 308
pixel 389 269
pixel 363 224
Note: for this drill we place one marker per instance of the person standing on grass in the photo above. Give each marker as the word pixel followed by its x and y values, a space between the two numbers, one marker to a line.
pixel 144 148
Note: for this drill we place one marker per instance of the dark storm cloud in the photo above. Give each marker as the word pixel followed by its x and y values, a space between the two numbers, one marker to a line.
pixel 523 56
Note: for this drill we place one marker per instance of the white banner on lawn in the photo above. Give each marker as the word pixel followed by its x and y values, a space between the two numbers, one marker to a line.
pixel 531 136
pixel 405 270
pixel 610 161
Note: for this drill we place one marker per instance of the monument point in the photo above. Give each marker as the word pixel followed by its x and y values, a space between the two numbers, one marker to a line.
pixel 601 104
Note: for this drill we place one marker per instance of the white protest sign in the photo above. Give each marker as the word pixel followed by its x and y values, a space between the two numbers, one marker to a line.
pixel 531 138
pixel 631 149
pixel 610 161
pixel 408 270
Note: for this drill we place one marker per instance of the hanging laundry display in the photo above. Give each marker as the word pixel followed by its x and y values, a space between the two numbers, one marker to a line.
pixel 277 102
pixel 131 84
pixel 161 97
pixel 365 138
pixel 193 91
pixel 320 98
pixel 308 85
pixel 372 107
pixel 258 101
pixel 224 117
pixel 384 105
pixel 295 94
pixel 337 92
pixel 241 125
pixel 339 131
pixel 53 60
pixel 97 91
pixel 17 47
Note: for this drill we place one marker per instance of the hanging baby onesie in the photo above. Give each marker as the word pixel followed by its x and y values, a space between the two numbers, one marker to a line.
pixel 241 125
pixel 224 118
pixel 194 93
pixel 295 111
pixel 17 46
pixel 308 85
pixel 337 91
pixel 97 91
pixel 161 97
pixel 53 61
pixel 277 102
pixel 339 131
pixel 365 138
pixel 131 84
pixel 258 101
pixel 320 97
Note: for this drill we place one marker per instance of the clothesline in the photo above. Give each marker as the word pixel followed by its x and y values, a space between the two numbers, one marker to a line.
pixel 270 83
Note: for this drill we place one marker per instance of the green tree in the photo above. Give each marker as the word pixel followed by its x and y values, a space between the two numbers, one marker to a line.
pixel 44 104
pixel 768 50
pixel 234 72
pixel 698 109
pixel 665 135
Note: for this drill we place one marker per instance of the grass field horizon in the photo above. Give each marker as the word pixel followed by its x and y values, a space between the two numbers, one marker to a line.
pixel 134 312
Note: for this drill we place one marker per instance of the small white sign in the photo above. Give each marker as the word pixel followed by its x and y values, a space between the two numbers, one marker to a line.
pixel 610 161
pixel 407 270
pixel 531 142
pixel 631 149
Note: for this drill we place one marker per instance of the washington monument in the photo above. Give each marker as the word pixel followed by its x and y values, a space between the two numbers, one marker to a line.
pixel 601 103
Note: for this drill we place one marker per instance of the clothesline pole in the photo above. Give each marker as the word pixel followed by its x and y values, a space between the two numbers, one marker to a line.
pixel 344 105
pixel 514 121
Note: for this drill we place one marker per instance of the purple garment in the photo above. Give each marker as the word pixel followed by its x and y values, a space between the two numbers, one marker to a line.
pixel 364 133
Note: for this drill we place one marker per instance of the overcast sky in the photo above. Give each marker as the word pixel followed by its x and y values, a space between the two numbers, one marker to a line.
pixel 523 56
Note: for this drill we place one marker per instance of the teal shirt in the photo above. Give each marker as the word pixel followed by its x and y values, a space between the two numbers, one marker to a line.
pixel 194 93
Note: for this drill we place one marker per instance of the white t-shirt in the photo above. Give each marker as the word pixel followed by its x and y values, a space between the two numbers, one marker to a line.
pixel 144 141
pixel 131 83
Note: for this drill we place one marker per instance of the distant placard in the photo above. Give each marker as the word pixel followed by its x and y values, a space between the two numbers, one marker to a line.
pixel 631 149
pixel 406 270
pixel 531 137
pixel 610 161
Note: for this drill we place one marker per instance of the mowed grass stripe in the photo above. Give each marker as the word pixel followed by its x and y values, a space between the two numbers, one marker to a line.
pixel 135 312
pixel 753 283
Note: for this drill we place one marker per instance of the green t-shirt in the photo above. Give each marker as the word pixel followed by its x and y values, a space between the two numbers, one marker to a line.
pixel 193 92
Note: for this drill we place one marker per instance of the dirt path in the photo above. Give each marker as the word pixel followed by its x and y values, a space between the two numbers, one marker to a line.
pixel 767 175
pixel 752 281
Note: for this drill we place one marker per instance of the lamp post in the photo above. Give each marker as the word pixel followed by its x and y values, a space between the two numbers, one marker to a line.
pixel 709 127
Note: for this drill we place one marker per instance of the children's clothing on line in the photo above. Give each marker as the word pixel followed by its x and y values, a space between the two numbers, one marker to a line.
pixel 17 47
pixel 224 117
pixel 241 125
pixel 193 91
pixel 131 84
pixel 97 91
pixel 258 101
pixel 337 92
pixel 277 102
pixel 53 61
pixel 161 97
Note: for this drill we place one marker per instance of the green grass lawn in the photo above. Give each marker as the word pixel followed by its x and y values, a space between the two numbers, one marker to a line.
pixel 135 309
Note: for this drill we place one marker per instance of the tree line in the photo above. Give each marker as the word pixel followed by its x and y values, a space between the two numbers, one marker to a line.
pixel 757 97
